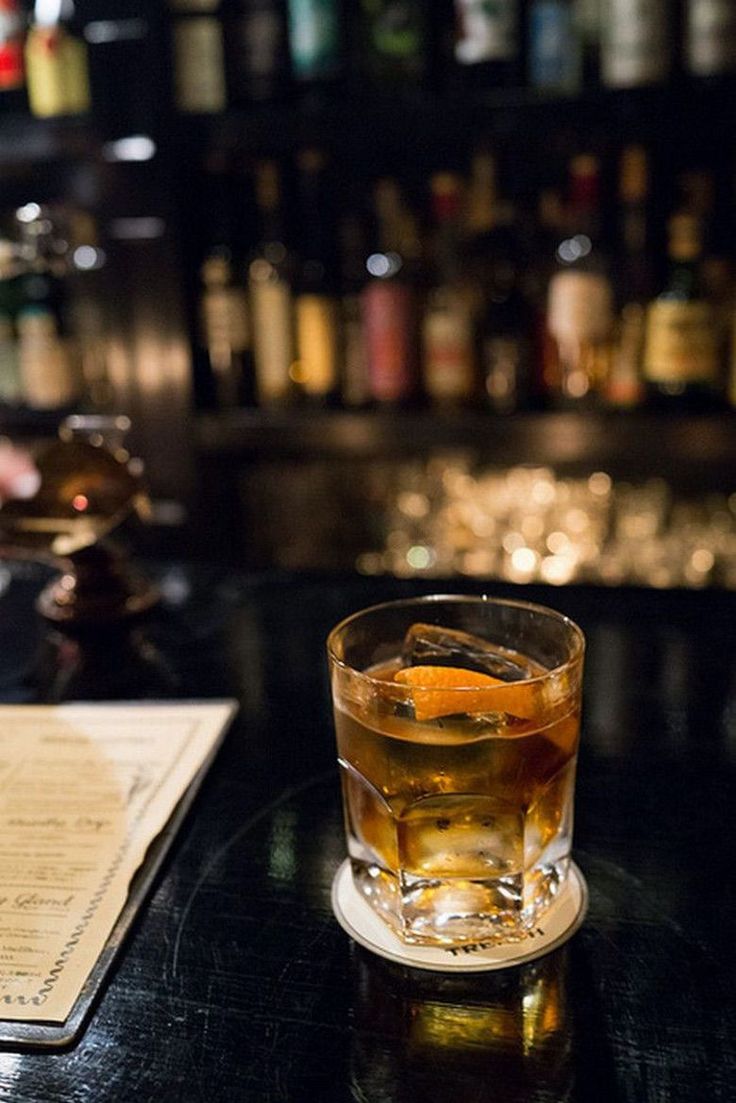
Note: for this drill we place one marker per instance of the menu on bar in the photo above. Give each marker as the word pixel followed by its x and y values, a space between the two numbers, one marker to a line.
pixel 84 790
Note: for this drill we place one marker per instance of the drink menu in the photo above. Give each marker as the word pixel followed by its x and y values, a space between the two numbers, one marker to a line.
pixel 84 790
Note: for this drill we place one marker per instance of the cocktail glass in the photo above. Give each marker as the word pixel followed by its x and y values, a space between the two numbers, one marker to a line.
pixel 457 722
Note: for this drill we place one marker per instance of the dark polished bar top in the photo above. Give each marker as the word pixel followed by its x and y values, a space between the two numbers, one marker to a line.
pixel 236 982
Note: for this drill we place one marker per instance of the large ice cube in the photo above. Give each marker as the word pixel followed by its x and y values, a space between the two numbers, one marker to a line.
pixel 429 644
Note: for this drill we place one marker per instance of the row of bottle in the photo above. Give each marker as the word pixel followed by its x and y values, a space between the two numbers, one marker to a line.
pixel 52 340
pixel 484 305
pixel 243 51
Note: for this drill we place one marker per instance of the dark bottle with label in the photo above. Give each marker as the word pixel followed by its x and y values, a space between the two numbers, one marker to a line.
pixel 506 341
pixel 315 371
pixel 624 386
pixel 270 274
pixel 682 365
pixel 224 328
pixel 256 51
pixel 355 389
pixel 448 345
pixel 488 43
pixel 394 43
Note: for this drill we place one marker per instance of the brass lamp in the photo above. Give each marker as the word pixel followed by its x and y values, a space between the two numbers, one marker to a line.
pixel 89 486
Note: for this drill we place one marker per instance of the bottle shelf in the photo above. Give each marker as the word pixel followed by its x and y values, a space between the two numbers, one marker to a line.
pixel 27 140
pixel 364 118
pixel 699 449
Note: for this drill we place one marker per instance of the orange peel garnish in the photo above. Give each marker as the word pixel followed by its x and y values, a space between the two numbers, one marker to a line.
pixel 435 692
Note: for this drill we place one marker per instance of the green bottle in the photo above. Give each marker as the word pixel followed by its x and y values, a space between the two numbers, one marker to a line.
pixel 394 41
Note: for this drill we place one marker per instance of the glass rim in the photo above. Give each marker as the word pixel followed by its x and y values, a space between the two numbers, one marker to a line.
pixel 578 636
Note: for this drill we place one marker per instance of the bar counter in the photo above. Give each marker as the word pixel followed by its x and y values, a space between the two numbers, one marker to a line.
pixel 236 982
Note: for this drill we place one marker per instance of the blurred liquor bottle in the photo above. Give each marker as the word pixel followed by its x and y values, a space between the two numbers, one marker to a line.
pixel 390 300
pixel 554 60
pixel 355 389
pixel 709 199
pixel 49 371
pixel 57 70
pixel 637 40
pixel 507 337
pixel 315 371
pixel 588 18
pixel 448 347
pixel 488 43
pixel 547 231
pixel 12 66
pixel 493 262
pixel 635 280
pixel 10 383
pixel 315 41
pixel 257 53
pixel 393 44
pixel 198 57
pixel 225 332
pixel 124 43
pixel 270 294
pixel 710 37
pixel 580 295
pixel 681 352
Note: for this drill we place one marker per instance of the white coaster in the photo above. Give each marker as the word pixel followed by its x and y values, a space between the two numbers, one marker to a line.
pixel 357 918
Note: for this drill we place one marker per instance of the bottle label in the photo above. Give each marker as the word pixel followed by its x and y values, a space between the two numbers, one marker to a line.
pixel 11 49
pixel 199 70
pixel 554 54
pixel 273 350
pixel 579 308
pixel 58 80
pixel 316 341
pixel 448 355
pixel 314 38
pixel 487 30
pixel 389 315
pixel 711 37
pixel 681 343
pixel 636 43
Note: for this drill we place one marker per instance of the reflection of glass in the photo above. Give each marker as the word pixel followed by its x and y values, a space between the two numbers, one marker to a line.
pixel 438 1037
pixel 89 486
pixel 457 726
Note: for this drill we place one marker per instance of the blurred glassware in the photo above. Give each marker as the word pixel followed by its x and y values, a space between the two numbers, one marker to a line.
pixel 527 524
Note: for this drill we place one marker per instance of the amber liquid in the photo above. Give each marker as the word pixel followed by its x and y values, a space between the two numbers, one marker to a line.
pixel 459 828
